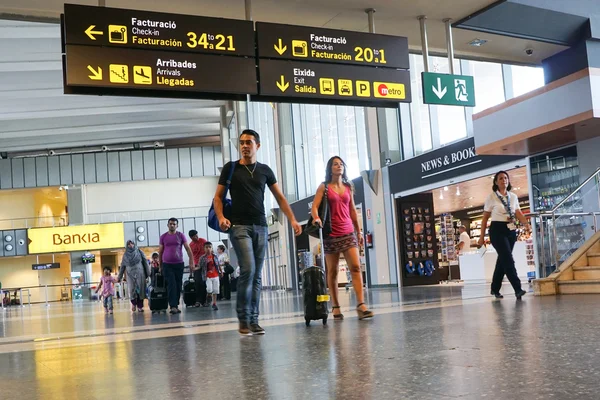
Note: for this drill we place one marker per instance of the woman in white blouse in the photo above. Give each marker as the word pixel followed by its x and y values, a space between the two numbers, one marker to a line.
pixel 502 207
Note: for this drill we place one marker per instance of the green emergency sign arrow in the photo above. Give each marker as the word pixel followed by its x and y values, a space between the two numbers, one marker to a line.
pixel 446 89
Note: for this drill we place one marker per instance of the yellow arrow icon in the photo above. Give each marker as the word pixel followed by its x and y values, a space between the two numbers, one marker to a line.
pixel 279 47
pixel 91 32
pixel 282 84
pixel 96 75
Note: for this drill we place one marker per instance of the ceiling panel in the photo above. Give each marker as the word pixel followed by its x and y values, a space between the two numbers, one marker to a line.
pixel 398 17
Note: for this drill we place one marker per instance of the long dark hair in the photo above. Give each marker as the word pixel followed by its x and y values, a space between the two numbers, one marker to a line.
pixel 495 185
pixel 329 175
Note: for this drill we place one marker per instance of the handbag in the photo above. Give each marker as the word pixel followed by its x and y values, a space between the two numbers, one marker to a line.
pixel 213 220
pixel 312 229
pixel 228 269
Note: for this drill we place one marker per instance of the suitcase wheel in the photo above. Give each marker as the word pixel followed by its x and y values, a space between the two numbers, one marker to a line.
pixel 307 321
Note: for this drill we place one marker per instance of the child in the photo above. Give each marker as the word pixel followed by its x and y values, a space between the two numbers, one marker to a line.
pixel 108 283
pixel 209 265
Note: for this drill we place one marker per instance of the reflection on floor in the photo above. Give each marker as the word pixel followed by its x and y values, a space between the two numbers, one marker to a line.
pixel 441 342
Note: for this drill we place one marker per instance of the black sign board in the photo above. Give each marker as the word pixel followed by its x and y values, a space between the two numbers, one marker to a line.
pixel 291 81
pixel 442 164
pixel 303 43
pixel 114 27
pixel 41 267
pixel 158 71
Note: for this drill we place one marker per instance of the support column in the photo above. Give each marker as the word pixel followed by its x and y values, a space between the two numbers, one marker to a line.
pixel 424 44
pixel 286 170
pixel 379 273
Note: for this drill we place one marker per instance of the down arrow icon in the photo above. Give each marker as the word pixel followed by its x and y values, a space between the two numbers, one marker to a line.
pixel 438 91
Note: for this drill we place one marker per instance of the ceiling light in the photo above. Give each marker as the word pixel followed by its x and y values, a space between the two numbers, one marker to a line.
pixel 457 191
pixel 441 195
pixel 445 188
pixel 471 198
pixel 477 42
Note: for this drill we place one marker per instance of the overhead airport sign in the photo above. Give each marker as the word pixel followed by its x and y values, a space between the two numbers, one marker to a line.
pixel 450 90
pixel 305 43
pixel 76 238
pixel 114 27
pixel 291 81
pixel 159 70
pixel 112 51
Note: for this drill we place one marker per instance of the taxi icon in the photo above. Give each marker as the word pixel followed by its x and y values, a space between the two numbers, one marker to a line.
pixel 345 89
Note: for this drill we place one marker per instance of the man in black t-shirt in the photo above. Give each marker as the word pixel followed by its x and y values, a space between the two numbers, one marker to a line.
pixel 248 225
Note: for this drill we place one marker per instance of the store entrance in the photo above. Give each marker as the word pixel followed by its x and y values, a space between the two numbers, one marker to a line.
pixel 432 223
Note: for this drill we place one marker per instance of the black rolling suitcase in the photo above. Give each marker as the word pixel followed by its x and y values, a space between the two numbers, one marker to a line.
pixel 314 290
pixel 189 292
pixel 158 300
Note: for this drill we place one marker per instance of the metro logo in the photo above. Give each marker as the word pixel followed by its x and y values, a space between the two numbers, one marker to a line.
pixel 387 90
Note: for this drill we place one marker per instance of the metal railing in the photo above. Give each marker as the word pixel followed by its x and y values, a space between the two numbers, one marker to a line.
pixel 190 212
pixel 567 225
pixel 42 294
pixel 34 222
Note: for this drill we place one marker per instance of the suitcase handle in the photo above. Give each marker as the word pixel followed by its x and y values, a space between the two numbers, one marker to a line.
pixel 322 248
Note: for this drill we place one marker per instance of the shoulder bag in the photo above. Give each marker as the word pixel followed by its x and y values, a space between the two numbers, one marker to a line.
pixel 213 220
pixel 325 217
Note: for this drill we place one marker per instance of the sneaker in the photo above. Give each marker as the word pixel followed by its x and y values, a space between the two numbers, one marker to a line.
pixel 173 310
pixel 110 311
pixel 244 329
pixel 256 329
pixel 106 310
pixel 140 310
pixel 214 307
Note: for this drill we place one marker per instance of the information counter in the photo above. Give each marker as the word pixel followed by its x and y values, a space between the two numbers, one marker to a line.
pixel 477 269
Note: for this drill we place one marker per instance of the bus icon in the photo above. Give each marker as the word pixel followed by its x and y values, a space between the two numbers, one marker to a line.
pixel 326 86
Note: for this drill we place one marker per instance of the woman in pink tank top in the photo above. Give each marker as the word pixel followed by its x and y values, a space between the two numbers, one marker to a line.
pixel 345 234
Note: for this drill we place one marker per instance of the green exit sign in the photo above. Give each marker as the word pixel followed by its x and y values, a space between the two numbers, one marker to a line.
pixel 450 90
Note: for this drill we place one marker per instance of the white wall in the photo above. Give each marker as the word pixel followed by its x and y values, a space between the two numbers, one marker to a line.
pixel 143 196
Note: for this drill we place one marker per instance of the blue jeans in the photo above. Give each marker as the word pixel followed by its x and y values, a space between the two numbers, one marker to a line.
pixel 174 276
pixel 250 244
pixel 108 303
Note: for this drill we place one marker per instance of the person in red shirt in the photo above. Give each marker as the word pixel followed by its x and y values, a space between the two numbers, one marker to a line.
pixel 209 264
pixel 197 246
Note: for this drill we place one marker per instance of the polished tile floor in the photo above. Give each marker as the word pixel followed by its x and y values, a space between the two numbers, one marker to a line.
pixel 441 342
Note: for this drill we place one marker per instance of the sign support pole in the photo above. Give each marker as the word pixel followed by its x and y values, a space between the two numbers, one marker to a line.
pixel 248 5
pixel 101 3
pixel 424 44
pixel 370 12
pixel 449 44
pixel 248 8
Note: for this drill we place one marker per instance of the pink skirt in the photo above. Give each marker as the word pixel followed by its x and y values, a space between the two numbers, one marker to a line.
pixel 336 245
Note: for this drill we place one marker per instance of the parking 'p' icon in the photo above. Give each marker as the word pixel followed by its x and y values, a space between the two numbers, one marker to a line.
pixel 363 88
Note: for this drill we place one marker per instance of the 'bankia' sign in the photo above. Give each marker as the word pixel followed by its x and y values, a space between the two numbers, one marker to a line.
pixel 442 164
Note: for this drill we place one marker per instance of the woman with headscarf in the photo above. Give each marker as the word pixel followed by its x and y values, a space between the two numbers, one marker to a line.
pixel 135 264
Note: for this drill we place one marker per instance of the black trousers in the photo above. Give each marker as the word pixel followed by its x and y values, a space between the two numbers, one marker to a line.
pixel 225 287
pixel 200 287
pixel 503 240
